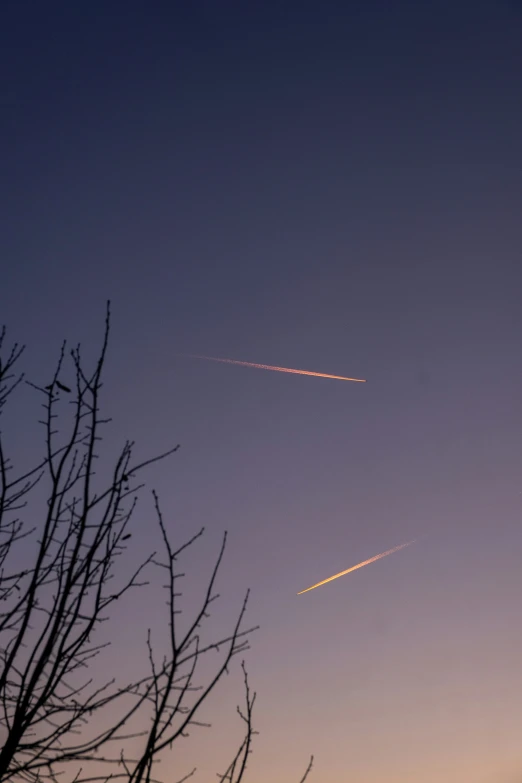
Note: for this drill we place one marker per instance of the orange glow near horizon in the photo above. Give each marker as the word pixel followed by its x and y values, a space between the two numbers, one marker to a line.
pixel 278 369
pixel 359 565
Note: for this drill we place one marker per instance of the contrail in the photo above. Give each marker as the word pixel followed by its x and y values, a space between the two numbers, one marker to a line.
pixel 360 565
pixel 277 369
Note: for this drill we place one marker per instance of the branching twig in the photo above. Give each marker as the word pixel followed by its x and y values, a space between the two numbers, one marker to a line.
pixel 51 709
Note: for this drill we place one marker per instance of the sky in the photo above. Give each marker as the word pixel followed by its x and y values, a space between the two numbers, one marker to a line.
pixel 332 186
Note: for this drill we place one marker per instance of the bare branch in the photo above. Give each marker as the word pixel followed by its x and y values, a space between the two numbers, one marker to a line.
pixel 308 770
pixel 56 595
pixel 237 768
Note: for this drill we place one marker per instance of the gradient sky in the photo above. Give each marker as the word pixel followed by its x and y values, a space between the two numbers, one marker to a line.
pixel 334 186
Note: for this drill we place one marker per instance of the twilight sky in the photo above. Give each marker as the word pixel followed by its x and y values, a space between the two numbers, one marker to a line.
pixel 334 186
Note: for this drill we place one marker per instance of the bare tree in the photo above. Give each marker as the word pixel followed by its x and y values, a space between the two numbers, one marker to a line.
pixel 58 581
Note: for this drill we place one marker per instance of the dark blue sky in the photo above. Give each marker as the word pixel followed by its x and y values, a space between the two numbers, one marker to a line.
pixel 334 186
pixel 230 158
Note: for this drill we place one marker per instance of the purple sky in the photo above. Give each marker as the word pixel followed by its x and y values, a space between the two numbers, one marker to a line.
pixel 334 186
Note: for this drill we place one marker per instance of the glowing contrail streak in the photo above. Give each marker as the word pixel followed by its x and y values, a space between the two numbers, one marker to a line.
pixel 359 565
pixel 278 369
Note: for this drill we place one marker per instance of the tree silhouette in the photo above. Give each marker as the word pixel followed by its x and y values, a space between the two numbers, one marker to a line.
pixel 57 582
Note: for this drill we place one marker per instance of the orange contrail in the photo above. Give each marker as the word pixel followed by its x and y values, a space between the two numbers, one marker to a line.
pixel 360 565
pixel 277 369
